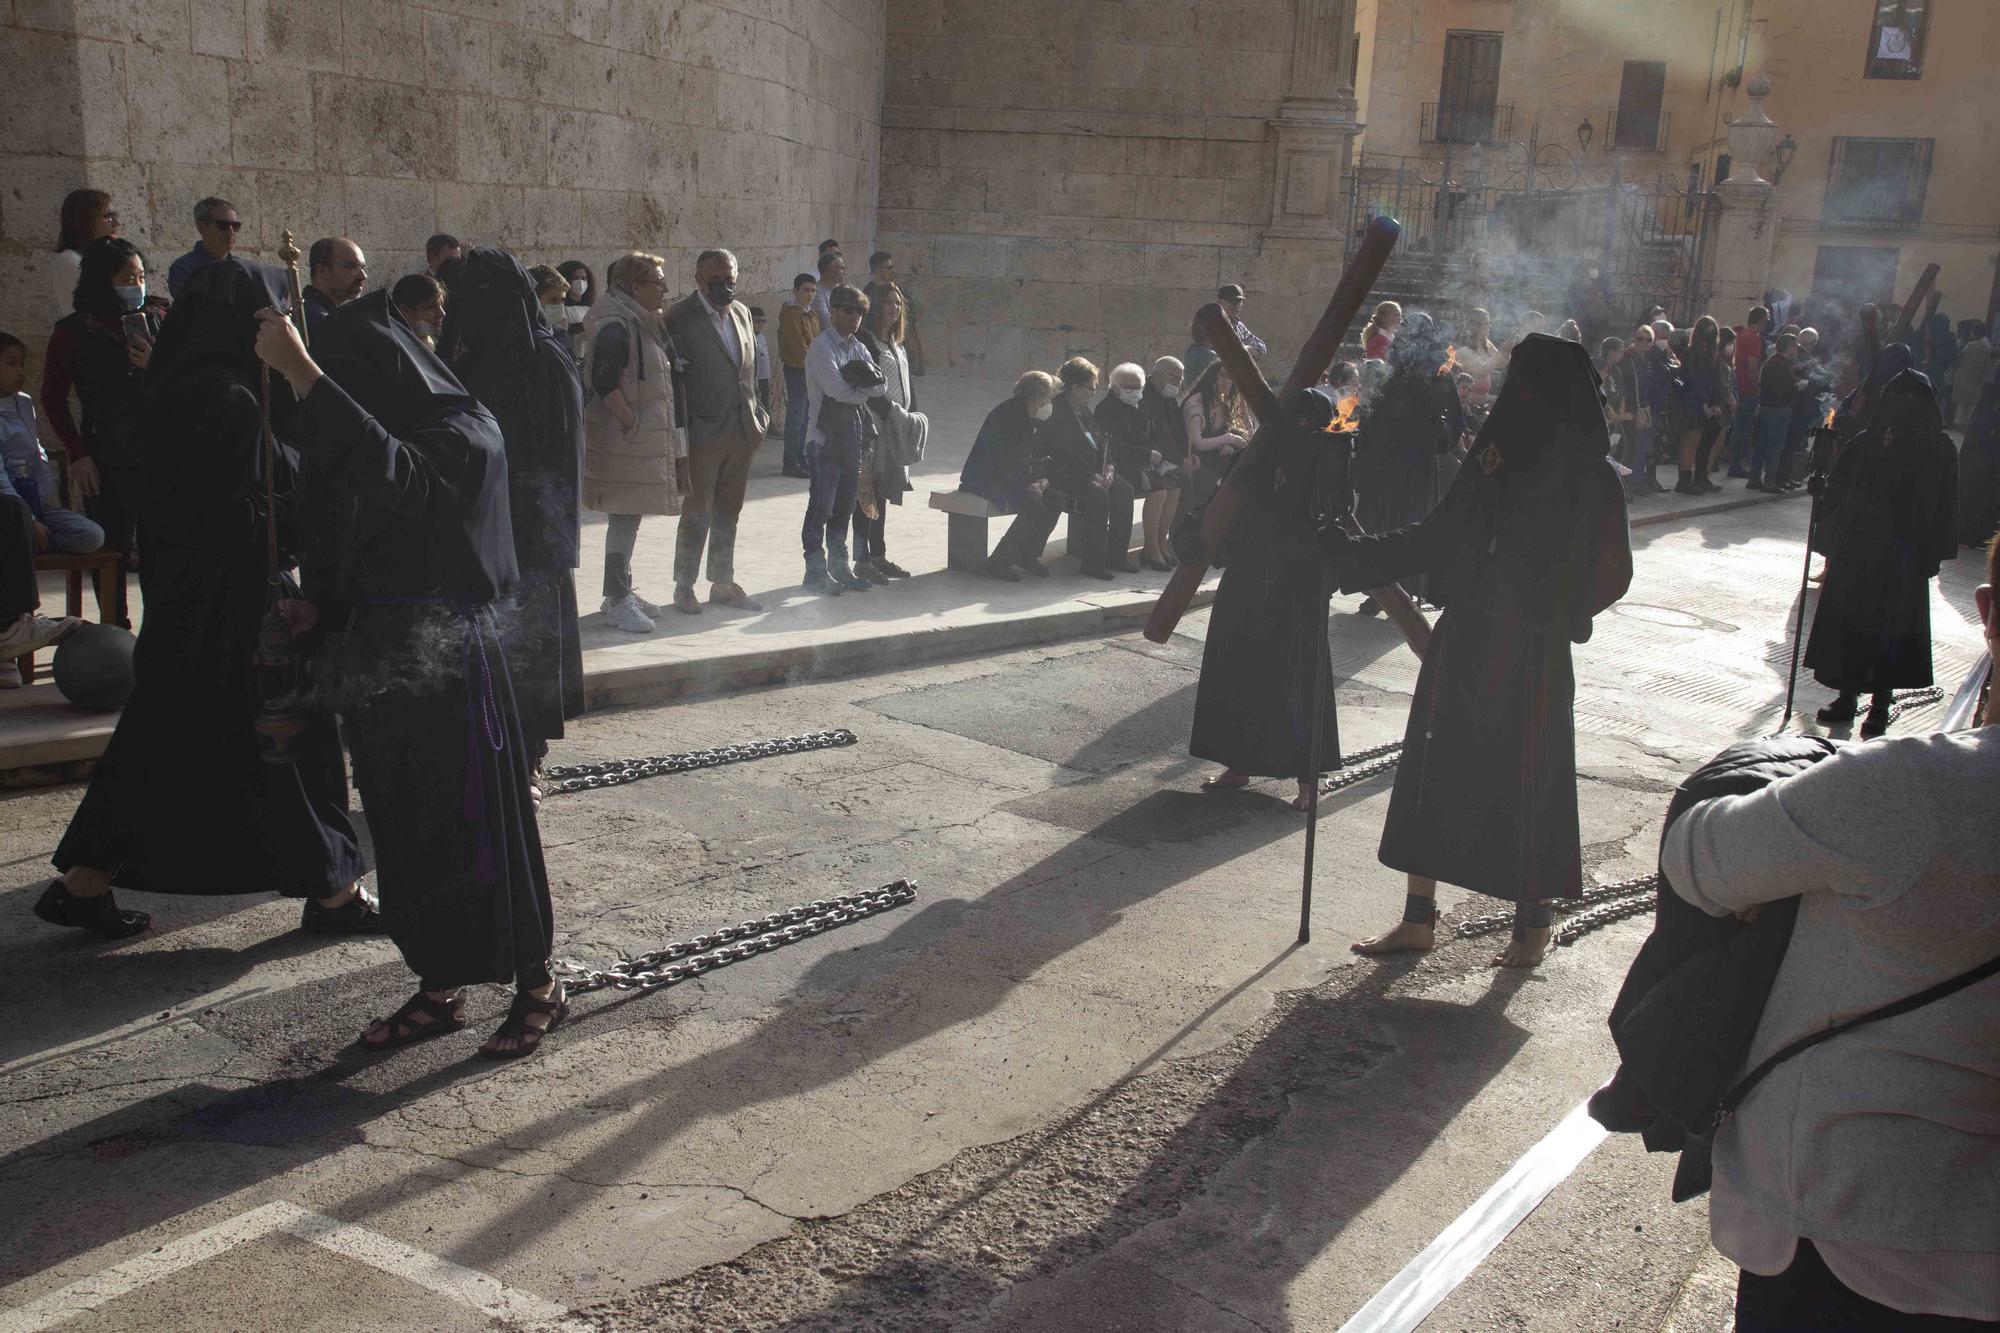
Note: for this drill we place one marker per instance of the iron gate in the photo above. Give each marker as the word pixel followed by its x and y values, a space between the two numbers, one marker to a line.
pixel 1525 224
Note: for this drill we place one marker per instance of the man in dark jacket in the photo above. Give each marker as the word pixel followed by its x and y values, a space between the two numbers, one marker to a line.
pixel 1778 386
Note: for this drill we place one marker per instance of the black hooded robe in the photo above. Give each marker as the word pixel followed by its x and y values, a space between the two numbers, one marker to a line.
pixel 1530 543
pixel 1266 643
pixel 181 801
pixel 501 347
pixel 426 549
pixel 1893 521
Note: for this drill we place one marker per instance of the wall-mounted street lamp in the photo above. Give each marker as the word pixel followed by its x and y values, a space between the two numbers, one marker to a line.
pixel 1584 133
pixel 1788 148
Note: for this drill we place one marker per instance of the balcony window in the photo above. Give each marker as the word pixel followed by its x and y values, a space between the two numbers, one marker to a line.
pixel 1877 182
pixel 1640 125
pixel 1896 40
pixel 1469 88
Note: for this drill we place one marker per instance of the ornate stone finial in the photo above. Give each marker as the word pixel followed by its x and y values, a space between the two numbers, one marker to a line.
pixel 1752 135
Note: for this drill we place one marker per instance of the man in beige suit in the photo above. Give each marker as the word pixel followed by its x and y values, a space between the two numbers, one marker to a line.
pixel 725 423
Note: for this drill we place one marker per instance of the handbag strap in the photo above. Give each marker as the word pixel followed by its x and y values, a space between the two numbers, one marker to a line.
pixel 1742 1088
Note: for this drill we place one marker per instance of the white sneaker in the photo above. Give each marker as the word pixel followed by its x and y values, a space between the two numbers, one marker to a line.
pixel 647 608
pixel 626 614
pixel 10 675
pixel 31 632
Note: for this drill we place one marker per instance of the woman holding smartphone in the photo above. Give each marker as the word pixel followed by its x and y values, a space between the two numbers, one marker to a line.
pixel 101 351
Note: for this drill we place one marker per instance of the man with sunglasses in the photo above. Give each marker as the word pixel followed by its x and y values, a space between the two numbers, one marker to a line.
pixel 218 224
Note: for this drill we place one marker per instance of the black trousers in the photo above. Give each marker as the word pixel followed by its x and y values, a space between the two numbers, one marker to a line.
pixel 1029 533
pixel 1100 532
pixel 1808 1298
pixel 18 591
pixel 115 508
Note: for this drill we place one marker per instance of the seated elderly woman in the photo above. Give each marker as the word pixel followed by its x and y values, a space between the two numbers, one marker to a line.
pixel 1144 454
pixel 1007 470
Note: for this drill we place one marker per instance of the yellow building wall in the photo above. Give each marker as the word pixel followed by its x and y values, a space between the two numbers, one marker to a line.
pixel 1815 52
pixel 1562 62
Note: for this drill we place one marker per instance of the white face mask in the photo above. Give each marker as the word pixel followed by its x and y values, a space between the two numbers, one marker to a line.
pixel 579 288
pixel 1129 396
pixel 1044 412
pixel 1170 392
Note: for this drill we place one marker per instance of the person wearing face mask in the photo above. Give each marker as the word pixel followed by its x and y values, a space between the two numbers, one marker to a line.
pixel 1127 433
pixel 421 299
pixel 1080 468
pixel 187 799
pixel 101 351
pixel 577 301
pixel 1166 429
pixel 841 378
pixel 1006 469
pixel 725 424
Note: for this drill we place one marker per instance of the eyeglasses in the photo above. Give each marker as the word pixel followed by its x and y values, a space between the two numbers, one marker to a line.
pixel 229 224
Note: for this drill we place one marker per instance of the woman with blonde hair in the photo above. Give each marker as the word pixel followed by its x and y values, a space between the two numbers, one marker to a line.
pixel 634 459
pixel 1381 331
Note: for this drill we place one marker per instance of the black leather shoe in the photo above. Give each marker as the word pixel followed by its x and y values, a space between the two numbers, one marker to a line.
pixel 847 578
pixel 100 915
pixel 1841 709
pixel 1875 723
pixel 356 916
pixel 817 580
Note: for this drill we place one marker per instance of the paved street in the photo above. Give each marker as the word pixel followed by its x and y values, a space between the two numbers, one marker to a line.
pixel 1085 1082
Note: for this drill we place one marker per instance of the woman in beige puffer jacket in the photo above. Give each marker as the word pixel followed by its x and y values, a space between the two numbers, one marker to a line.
pixel 634 457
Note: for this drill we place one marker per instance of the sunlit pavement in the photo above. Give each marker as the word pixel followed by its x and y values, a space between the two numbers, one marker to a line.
pixel 1085 1081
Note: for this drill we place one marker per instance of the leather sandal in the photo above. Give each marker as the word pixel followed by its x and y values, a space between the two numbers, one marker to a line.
pixel 100 915
pixel 518 1027
pixel 444 1016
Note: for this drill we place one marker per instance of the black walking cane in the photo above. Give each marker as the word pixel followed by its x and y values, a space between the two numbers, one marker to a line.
pixel 1821 465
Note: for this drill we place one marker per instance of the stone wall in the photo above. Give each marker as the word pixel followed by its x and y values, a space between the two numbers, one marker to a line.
pixel 1064 178
pixel 557 128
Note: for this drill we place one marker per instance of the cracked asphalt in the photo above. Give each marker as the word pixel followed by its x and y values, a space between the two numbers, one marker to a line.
pixel 1085 1082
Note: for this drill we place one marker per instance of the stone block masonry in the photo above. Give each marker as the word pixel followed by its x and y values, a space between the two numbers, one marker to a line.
pixel 558 128
pixel 1076 178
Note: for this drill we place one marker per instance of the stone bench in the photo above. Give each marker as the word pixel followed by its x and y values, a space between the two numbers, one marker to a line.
pixel 966 537
pixel 966 545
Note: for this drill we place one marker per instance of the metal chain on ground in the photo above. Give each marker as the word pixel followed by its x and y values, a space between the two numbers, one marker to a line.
pixel 613 772
pixel 1908 699
pixel 1597 907
pixel 719 948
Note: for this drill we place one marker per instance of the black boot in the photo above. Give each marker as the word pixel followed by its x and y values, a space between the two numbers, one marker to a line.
pixel 837 570
pixel 816 577
pixel 356 916
pixel 1877 720
pixel 1841 709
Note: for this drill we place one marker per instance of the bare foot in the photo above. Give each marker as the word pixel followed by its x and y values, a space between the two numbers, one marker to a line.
pixel 1408 937
pixel 1226 780
pixel 1527 952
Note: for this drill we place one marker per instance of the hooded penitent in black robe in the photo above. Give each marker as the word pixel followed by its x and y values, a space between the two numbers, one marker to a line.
pixel 181 802
pixel 425 550
pixel 1979 470
pixel 1530 543
pixel 502 349
pixel 1407 428
pixel 1266 644
pixel 1892 520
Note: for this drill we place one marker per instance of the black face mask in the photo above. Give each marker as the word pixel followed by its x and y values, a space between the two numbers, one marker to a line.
pixel 721 291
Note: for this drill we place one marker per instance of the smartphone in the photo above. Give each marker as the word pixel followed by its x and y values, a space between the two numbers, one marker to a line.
pixel 136 329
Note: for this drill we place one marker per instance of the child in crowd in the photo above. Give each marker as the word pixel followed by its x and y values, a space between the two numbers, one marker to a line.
pixel 24 465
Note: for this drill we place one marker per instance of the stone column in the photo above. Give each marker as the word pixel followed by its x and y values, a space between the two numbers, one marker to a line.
pixel 1746 229
pixel 1315 127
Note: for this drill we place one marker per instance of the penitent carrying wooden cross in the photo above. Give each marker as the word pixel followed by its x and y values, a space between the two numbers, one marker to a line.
pixel 1273 426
